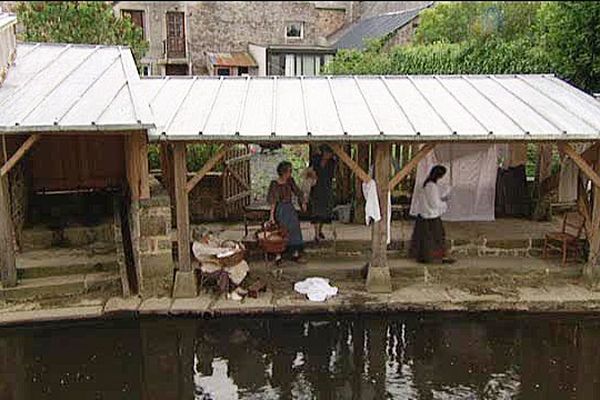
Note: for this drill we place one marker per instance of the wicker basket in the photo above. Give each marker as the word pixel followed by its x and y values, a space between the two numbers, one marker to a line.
pixel 272 239
pixel 233 259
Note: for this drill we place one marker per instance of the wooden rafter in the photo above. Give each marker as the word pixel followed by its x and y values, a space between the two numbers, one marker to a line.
pixel 411 165
pixel 586 168
pixel 14 159
pixel 346 159
pixel 207 167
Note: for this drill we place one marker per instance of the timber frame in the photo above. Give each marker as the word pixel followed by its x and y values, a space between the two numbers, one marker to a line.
pixel 175 170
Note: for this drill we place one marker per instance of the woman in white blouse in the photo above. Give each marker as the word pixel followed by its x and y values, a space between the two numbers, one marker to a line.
pixel 429 238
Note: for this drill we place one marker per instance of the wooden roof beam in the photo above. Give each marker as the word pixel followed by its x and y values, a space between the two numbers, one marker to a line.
pixel 20 153
pixel 207 167
pixel 411 165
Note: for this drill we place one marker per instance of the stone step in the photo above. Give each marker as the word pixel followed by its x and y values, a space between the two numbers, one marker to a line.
pixel 101 257
pixel 61 286
pixel 41 237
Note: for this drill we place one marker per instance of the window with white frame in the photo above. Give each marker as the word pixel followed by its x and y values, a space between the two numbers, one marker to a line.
pixel 294 30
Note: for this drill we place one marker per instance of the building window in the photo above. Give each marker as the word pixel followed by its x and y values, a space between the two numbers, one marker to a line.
pixel 137 17
pixel 146 70
pixel 242 71
pixel 294 30
pixel 223 72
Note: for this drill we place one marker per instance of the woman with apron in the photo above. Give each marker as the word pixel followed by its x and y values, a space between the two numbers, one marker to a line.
pixel 280 195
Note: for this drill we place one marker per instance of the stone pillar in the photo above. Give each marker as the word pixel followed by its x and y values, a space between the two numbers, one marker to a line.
pixel 155 242
pixel 378 277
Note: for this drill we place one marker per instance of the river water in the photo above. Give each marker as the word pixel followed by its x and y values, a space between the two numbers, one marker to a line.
pixel 405 356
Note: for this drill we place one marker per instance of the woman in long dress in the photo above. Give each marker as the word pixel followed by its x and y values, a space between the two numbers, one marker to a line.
pixel 280 196
pixel 429 238
pixel 321 202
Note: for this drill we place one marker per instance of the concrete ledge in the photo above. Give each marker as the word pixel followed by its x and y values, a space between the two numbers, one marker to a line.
pixel 414 298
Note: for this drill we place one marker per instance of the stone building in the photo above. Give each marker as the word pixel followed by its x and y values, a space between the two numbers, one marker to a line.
pixel 165 26
pixel 256 37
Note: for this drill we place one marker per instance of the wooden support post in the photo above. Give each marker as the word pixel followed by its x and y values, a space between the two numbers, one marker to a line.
pixel 378 277
pixel 166 167
pixel 8 267
pixel 592 268
pixel 362 159
pixel 586 168
pixel 185 280
pixel 411 165
pixel 136 156
pixel 543 171
pixel 207 167
pixel 21 151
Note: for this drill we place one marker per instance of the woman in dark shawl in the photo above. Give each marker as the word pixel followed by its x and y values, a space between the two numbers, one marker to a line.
pixel 281 192
pixel 321 201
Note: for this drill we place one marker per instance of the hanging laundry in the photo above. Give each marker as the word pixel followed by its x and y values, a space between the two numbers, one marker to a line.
pixel 472 170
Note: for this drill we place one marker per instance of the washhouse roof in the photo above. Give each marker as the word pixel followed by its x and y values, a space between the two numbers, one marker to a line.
pixel 67 87
pixel 396 108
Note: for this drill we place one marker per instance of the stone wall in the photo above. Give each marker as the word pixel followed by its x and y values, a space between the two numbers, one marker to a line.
pixel 229 26
pixel 152 241
pixel 330 20
pixel 403 36
pixel 156 255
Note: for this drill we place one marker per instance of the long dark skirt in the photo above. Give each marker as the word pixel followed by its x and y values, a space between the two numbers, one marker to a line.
pixel 286 216
pixel 320 204
pixel 428 240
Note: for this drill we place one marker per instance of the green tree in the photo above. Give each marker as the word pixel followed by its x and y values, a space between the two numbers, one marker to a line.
pixel 569 33
pixel 463 21
pixel 90 22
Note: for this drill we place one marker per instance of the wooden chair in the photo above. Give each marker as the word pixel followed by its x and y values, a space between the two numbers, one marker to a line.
pixel 567 241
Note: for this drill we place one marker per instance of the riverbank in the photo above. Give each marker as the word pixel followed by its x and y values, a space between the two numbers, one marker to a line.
pixel 473 284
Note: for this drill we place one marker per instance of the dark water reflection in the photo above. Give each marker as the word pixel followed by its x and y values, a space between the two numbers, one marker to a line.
pixel 402 357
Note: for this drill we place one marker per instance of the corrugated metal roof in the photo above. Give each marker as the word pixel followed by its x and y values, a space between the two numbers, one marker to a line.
pixel 357 34
pixel 58 87
pixel 454 107
pixel 231 59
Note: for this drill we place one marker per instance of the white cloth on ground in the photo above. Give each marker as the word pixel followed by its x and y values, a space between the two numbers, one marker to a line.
pixel 316 289
pixel 472 172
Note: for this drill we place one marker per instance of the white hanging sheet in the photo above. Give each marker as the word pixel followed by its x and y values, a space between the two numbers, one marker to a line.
pixel 472 171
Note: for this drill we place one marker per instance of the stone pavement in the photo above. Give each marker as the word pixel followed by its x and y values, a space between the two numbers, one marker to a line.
pixel 525 285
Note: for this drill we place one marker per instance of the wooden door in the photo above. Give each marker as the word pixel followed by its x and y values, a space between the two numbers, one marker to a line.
pixel 175 35
pixel 236 180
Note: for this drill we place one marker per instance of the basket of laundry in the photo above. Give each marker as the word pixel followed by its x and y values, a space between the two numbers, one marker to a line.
pixel 272 240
